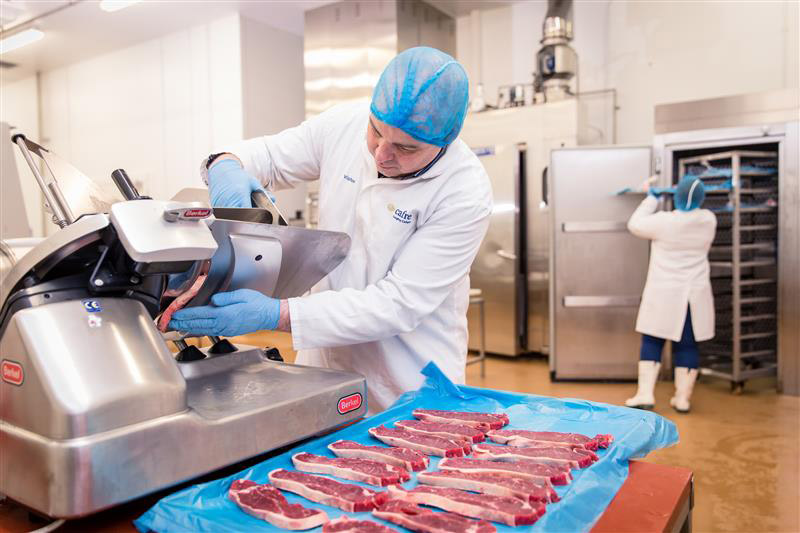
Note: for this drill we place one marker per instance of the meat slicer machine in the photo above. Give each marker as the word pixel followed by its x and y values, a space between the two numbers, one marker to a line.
pixel 95 409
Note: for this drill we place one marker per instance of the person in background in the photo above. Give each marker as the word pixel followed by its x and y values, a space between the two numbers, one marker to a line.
pixel 677 302
pixel 415 201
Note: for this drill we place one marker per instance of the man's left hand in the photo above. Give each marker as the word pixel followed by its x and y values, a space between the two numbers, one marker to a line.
pixel 232 313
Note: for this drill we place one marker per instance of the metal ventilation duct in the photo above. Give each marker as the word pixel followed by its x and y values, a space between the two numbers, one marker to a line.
pixel 348 44
pixel 556 61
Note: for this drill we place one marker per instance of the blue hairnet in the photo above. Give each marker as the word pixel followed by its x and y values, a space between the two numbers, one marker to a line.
pixel 690 193
pixel 425 93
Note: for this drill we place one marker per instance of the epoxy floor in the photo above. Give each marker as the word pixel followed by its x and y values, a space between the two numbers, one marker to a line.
pixel 744 450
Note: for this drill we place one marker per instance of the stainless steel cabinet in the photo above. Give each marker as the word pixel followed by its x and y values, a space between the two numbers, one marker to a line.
pixel 496 270
pixel 511 268
pixel 598 268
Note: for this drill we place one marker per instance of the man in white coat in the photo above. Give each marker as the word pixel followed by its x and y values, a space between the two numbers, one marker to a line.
pixel 415 201
pixel 677 303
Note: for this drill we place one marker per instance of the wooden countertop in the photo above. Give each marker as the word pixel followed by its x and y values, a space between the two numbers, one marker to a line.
pixel 654 498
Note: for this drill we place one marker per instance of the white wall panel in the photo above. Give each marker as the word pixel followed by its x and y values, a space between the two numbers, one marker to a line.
pixel 154 109
pixel 225 80
pixel 661 52
pixel 115 114
pixel 18 108
pixel 272 78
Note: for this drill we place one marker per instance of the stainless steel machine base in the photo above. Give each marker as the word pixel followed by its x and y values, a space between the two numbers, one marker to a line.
pixel 239 405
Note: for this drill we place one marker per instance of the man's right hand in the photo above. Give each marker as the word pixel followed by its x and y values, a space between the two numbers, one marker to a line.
pixel 229 185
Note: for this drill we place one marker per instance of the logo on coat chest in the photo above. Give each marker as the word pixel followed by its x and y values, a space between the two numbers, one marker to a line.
pixel 400 215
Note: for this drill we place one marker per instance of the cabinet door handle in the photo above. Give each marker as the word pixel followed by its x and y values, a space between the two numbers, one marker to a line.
pixel 507 255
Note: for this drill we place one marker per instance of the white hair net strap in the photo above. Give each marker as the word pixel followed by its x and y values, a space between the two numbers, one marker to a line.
pixel 423 92
pixel 690 193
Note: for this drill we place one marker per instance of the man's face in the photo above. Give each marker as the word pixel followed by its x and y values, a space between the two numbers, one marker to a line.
pixel 395 152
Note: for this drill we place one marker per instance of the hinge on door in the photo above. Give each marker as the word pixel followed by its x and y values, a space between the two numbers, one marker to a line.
pixel 658 165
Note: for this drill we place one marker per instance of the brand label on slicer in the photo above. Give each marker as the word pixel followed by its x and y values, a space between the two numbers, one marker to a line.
pixel 12 372
pixel 349 403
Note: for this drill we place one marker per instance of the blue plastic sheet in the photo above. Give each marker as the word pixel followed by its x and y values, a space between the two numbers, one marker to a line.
pixel 205 507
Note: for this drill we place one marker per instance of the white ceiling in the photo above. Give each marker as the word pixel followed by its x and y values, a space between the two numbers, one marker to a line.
pixel 81 29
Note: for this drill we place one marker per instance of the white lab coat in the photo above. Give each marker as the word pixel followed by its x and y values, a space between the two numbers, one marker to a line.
pixel 399 299
pixel 679 271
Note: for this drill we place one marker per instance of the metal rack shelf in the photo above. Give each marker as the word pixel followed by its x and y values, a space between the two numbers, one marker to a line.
pixel 743 264
pixel 760 281
pixel 758 227
pixel 743 187
pixel 764 245
pixel 759 335
pixel 757 190
pixel 758 318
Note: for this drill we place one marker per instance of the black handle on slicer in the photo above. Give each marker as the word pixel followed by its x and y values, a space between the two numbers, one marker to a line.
pixel 125 185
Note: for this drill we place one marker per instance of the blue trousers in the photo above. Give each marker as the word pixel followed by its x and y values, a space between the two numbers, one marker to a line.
pixel 684 352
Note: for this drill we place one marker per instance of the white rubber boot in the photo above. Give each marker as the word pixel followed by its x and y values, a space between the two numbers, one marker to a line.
pixel 684 385
pixel 648 375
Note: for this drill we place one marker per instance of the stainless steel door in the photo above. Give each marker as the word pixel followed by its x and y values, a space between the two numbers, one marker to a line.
pixel 598 268
pixel 496 268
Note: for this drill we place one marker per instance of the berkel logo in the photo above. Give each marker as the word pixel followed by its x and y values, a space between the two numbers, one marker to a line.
pixel 349 403
pixel 12 372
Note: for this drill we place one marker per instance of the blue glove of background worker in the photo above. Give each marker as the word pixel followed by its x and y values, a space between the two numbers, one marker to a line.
pixel 229 185
pixel 232 313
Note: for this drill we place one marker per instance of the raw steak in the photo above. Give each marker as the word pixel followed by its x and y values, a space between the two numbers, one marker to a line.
pixel 438 429
pixel 482 421
pixel 549 454
pixel 415 518
pixel 363 470
pixel 345 524
pixel 267 503
pixel 521 437
pixel 427 444
pixel 557 476
pixel 402 457
pixel 344 496
pixel 179 302
pixel 526 489
pixel 503 509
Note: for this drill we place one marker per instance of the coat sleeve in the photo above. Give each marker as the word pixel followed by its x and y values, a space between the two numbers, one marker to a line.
pixel 436 258
pixel 645 222
pixel 292 156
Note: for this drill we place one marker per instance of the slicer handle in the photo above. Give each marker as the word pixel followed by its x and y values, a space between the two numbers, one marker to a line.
pixel 125 185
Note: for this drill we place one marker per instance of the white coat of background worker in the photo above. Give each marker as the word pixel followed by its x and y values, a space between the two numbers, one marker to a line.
pixel 415 201
pixel 677 302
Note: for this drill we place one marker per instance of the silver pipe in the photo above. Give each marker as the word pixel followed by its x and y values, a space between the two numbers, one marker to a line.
pixel 62 202
pixel 60 216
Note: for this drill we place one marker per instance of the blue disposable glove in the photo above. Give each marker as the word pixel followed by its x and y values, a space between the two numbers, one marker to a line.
pixel 229 185
pixel 232 313
pixel 658 191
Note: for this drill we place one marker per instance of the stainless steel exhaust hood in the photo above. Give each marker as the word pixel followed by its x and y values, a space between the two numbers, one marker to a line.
pixel 348 44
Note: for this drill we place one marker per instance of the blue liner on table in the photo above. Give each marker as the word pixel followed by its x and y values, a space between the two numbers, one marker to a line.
pixel 206 507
